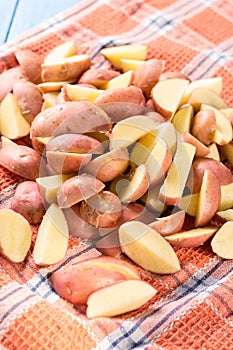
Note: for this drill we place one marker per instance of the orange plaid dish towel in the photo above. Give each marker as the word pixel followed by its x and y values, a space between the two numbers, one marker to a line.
pixel 193 309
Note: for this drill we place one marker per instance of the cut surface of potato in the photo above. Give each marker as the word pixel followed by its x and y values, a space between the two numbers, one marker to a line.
pixel 204 95
pixel 167 94
pixel 129 130
pixel 130 64
pixel 78 93
pixel 148 248
pixel 12 123
pixel 49 185
pixel 222 241
pixel 226 214
pixel 226 197
pixel 115 53
pixel 192 238
pixel 61 51
pixel 52 239
pixel 182 119
pixel 209 199
pixel 15 235
pixel 119 298
pixel 175 181
pixel 122 80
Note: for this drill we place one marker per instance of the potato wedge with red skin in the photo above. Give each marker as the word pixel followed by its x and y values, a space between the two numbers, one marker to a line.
pixel 204 126
pixel 192 238
pixel 101 210
pixel 76 282
pixel 75 143
pixel 78 188
pixel 223 240
pixel 169 224
pixel 109 244
pixel 77 226
pixel 209 199
pixel 98 76
pixel 15 235
pixel 30 63
pixel 29 99
pixel 21 160
pixel 70 117
pixel 130 94
pixel 67 68
pixel 28 202
pixel 200 164
pixel 67 162
pixel 148 74
pixel 8 78
pixel 109 165
pixel 201 149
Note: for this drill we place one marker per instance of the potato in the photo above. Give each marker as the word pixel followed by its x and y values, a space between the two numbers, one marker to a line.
pixel 30 62
pixel 65 49
pixel 109 165
pixel 223 240
pixel 75 282
pixel 148 74
pixel 28 202
pixel 29 99
pixel 191 238
pixel 21 160
pixel 67 68
pixel 7 80
pixel 204 126
pixel 119 298
pixel 200 164
pixel 15 235
pixel 70 117
pixel 78 188
pixel 169 224
pixel 98 76
pixel 130 94
pixel 102 209
pixel 118 111
pixel 78 227
pixel 67 162
pixel 76 143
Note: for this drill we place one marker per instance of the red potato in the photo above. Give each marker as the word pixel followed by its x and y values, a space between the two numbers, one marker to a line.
pixel 200 164
pixel 110 165
pixel 39 143
pixel 70 117
pixel 204 126
pixel 77 226
pixel 130 94
pixel 201 149
pixel 148 74
pixel 78 188
pixel 102 209
pixel 28 202
pixel 98 76
pixel 109 244
pixel 209 198
pixel 118 111
pixel 30 62
pixel 75 143
pixel 222 241
pixel 29 99
pixel 65 69
pixel 7 80
pixel 67 162
pixel 191 238
pixel 21 160
pixel 169 224
pixel 76 282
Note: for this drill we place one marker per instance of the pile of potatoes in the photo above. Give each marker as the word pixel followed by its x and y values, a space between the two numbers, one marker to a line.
pixel 135 158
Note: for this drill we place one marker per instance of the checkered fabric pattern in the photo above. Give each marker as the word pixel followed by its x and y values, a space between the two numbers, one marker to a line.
pixel 193 308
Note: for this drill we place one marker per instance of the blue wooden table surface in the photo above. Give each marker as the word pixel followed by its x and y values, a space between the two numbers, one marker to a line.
pixel 19 16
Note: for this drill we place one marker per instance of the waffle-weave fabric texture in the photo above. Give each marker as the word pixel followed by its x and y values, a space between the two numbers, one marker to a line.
pixel 193 308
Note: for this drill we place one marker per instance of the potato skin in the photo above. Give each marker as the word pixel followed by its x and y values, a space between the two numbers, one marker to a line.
pixel 28 202
pixel 30 62
pixel 76 282
pixel 29 99
pixel 70 117
pixel 130 94
pixel 21 160
pixel 200 164
pixel 7 80
pixel 98 77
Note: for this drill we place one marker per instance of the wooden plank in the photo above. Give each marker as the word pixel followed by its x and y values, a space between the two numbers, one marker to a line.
pixel 7 8
pixel 30 13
